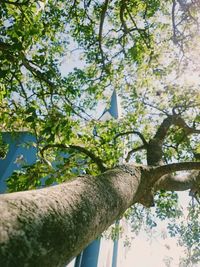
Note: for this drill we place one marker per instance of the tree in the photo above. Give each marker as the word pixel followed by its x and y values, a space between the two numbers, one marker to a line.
pixel 147 51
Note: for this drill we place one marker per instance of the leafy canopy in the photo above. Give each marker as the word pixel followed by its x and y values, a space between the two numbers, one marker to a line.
pixel 148 51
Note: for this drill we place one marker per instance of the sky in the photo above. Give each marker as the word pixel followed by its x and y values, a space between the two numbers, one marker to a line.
pixel 143 252
pixel 152 254
pixel 154 251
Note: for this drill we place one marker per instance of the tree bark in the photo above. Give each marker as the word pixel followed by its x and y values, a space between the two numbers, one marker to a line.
pixel 48 227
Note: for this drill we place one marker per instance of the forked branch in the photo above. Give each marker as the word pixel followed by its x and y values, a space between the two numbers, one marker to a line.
pixel 155 145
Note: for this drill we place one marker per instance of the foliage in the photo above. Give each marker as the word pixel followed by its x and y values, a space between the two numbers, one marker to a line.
pixel 146 50
pixel 4 147
pixel 188 232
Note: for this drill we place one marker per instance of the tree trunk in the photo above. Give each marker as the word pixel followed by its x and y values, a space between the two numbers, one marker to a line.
pixel 48 227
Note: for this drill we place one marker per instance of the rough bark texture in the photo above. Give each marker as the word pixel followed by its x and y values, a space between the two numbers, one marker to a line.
pixel 48 227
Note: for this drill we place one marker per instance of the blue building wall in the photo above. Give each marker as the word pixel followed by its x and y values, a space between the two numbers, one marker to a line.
pixel 20 151
pixel 89 256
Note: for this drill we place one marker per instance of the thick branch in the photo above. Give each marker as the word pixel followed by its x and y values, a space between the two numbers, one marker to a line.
pixel 177 121
pixel 182 124
pixel 163 128
pixel 154 148
pixel 178 182
pixel 175 167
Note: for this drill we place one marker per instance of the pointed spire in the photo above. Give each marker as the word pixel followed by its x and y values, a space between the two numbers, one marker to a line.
pixel 114 110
